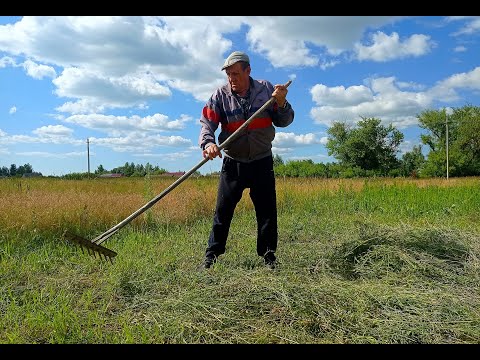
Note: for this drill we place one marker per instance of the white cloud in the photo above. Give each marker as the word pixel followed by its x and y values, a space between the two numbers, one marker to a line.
pixel 140 142
pixel 45 154
pixel 98 92
pixel 12 110
pixel 388 101
pixel 445 90
pixel 43 139
pixel 174 157
pixel 53 131
pixel 119 125
pixel 286 40
pixel 111 62
pixel 339 96
pixel 385 48
pixel 283 139
pixel 6 61
pixel 460 48
pixel 472 24
pixel 37 71
pixel 382 98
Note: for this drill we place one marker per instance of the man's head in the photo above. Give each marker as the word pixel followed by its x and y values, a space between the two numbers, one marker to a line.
pixel 237 68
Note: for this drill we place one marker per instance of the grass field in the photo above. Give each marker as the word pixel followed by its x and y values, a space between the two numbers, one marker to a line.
pixel 360 261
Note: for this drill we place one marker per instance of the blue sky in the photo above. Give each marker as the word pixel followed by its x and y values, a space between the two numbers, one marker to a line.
pixel 135 86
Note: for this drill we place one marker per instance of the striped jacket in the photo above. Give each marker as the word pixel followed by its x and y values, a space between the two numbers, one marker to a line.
pixel 224 109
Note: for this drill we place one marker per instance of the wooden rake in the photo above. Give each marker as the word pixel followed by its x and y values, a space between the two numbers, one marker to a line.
pixel 94 246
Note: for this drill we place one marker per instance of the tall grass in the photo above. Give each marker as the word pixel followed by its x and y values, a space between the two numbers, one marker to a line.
pixel 360 261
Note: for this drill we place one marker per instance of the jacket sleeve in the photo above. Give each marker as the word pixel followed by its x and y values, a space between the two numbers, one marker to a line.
pixel 209 120
pixel 282 117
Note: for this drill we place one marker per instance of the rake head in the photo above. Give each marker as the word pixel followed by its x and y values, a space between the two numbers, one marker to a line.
pixel 92 248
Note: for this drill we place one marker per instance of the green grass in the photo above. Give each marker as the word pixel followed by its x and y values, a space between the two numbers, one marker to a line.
pixel 380 263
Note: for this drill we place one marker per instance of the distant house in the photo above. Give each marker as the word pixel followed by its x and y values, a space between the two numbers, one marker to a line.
pixel 32 174
pixel 111 175
pixel 173 174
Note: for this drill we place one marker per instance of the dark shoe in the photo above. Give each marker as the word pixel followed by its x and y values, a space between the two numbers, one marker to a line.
pixel 209 261
pixel 270 260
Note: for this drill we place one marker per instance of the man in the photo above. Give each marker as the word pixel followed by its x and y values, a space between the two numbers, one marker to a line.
pixel 248 161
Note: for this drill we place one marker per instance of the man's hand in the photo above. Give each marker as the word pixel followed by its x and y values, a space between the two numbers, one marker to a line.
pixel 280 94
pixel 212 152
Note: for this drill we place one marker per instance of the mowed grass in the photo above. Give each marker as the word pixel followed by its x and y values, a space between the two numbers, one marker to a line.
pixel 360 261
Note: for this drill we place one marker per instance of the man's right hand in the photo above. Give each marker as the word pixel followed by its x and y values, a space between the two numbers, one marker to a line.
pixel 212 152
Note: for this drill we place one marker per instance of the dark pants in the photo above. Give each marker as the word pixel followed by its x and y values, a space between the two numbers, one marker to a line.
pixel 234 178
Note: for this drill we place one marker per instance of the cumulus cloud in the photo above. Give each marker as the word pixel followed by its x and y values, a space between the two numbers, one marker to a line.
pixel 140 142
pixel 109 62
pixel 386 99
pixel 118 125
pixel 12 110
pixel 446 90
pixel 471 26
pixel 53 131
pixel 40 139
pixel 289 37
pixel 386 48
pixel 283 139
pixel 6 61
pixel 382 98
pixel 338 96
pixel 38 71
pixel 45 154
pixel 99 92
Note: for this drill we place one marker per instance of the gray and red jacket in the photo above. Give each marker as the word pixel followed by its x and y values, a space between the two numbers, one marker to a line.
pixel 255 142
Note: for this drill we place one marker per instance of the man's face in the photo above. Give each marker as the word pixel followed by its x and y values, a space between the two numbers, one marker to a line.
pixel 239 79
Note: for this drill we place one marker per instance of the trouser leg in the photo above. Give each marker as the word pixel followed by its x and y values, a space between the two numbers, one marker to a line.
pixel 230 190
pixel 263 195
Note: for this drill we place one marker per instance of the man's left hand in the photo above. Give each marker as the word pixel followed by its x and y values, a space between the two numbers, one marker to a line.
pixel 280 94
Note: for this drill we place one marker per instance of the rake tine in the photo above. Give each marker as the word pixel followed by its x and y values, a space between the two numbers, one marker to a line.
pixel 92 248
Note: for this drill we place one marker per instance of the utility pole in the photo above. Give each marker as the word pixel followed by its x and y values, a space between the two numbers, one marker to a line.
pixel 446 137
pixel 88 156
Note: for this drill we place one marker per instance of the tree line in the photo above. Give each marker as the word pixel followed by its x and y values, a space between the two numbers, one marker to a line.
pixel 371 149
pixel 14 171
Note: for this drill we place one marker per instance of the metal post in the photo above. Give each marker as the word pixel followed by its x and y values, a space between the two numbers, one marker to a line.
pixel 88 155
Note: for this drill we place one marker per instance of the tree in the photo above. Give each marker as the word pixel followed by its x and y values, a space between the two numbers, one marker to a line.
pixel 463 141
pixel 412 162
pixel 277 160
pixel 25 169
pixel 13 170
pixel 100 170
pixel 369 145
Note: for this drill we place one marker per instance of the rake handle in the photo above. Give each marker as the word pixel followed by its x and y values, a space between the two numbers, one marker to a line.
pixel 102 237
